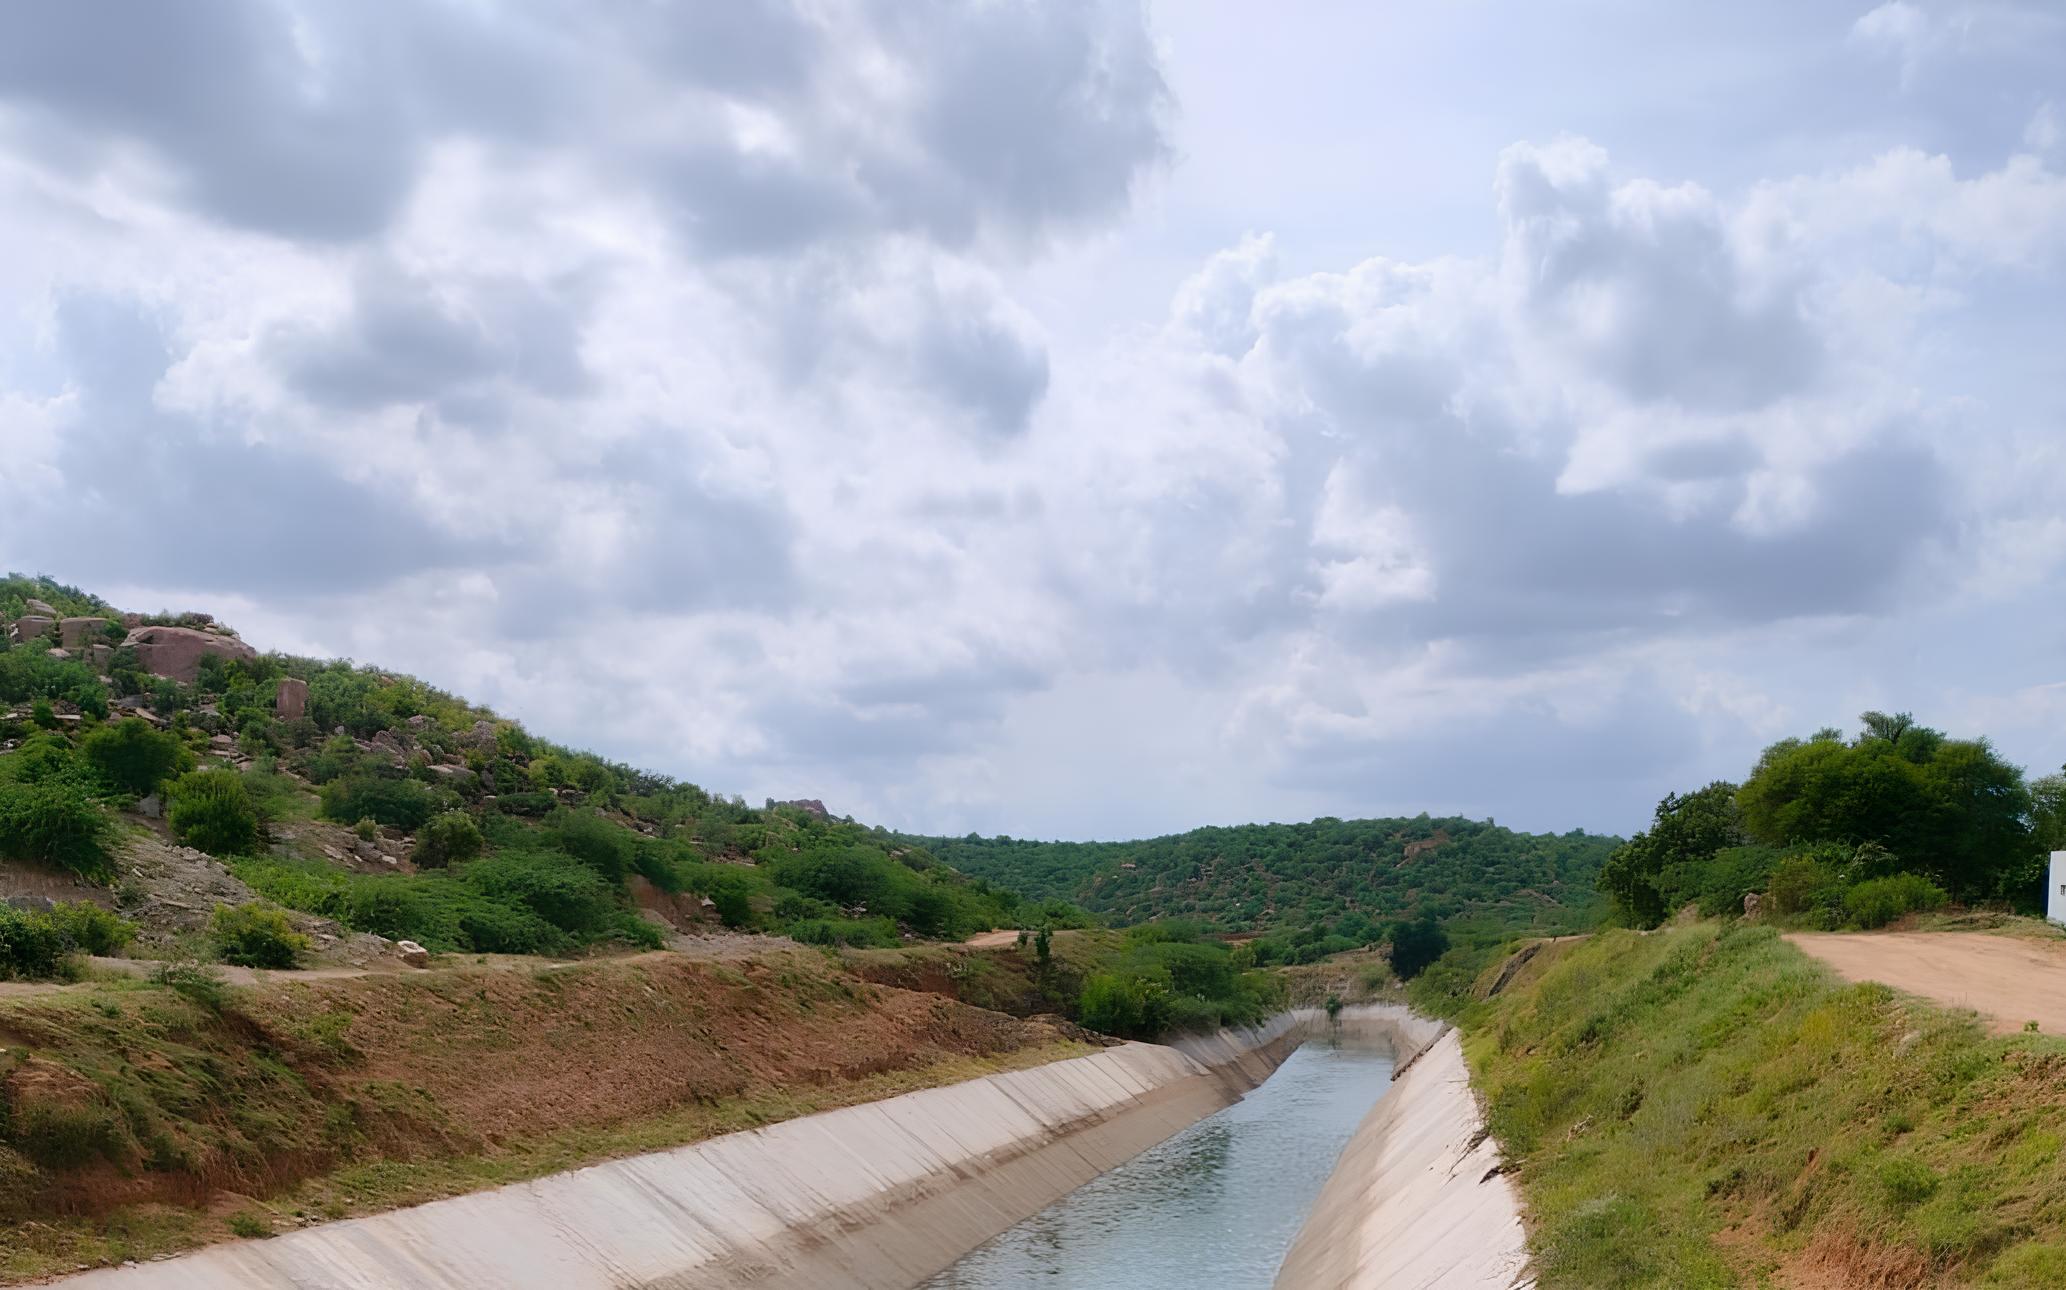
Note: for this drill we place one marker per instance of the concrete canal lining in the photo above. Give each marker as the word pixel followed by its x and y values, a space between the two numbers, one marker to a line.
pixel 1417 1199
pixel 875 1196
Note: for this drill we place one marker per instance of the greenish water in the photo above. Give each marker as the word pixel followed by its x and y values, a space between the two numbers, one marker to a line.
pixel 1213 1208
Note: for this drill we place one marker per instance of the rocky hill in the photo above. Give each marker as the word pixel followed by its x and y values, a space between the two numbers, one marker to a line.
pixel 162 767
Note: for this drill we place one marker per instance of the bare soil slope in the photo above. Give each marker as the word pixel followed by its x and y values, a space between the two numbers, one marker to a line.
pixel 2007 979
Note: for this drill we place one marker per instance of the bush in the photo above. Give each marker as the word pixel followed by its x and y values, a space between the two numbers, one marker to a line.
pixel 31 945
pixel 861 933
pixel 448 839
pixel 252 935
pixel 1803 883
pixel 56 822
pixel 212 811
pixel 1880 901
pixel 131 757
pixel 526 803
pixel 594 841
pixel 402 803
pixel 91 929
pixel 571 897
pixel 1124 1004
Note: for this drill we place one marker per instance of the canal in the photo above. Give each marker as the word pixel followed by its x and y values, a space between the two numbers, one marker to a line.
pixel 1213 1208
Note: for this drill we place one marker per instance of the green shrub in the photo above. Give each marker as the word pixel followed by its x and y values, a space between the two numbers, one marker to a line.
pixel 1879 901
pixel 448 839
pixel 859 933
pixel 56 822
pixel 1125 1004
pixel 213 812
pixel 43 714
pixel 132 757
pixel 401 803
pixel 31 945
pixel 571 897
pixel 195 983
pixel 1802 883
pixel 91 929
pixel 253 935
pixel 594 841
pixel 533 804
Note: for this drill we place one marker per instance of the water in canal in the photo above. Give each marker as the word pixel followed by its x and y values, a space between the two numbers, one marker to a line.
pixel 1213 1208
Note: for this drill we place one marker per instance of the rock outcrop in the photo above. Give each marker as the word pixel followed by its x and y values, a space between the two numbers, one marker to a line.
pixel 291 701
pixel 176 652
pixel 40 607
pixel 31 627
pixel 75 634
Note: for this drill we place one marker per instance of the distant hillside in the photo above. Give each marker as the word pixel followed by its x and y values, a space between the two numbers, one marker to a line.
pixel 1341 877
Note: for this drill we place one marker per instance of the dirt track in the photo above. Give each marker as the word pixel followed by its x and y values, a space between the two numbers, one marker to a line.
pixel 2007 979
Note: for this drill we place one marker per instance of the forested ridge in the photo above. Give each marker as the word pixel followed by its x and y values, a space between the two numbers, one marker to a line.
pixel 1322 880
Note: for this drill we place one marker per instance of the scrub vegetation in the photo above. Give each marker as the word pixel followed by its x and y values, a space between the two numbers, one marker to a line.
pixel 1316 888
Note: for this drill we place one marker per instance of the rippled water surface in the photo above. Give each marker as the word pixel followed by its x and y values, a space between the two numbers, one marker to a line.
pixel 1213 1208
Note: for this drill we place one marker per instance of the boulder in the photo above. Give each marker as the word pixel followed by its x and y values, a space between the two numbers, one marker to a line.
pixel 40 607
pixel 413 954
pixel 101 656
pixel 77 633
pixel 1751 903
pixel 291 702
pixel 31 627
pixel 483 734
pixel 176 652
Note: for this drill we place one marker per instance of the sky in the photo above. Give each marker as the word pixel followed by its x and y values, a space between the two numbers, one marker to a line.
pixel 1070 419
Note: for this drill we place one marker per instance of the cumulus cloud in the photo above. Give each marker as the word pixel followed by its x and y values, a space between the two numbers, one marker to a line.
pixel 815 397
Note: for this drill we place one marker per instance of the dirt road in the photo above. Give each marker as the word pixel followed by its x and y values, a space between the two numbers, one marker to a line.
pixel 997 940
pixel 2007 979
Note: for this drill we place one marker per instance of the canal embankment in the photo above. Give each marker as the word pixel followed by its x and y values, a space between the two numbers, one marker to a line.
pixel 878 1195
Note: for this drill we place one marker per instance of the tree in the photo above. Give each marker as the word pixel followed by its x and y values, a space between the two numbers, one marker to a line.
pixel 1950 809
pixel 132 757
pixel 1415 945
pixel 1685 832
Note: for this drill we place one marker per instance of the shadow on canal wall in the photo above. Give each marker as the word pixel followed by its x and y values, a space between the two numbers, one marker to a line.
pixel 879 1195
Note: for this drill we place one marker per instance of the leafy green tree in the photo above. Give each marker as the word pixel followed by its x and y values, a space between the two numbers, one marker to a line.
pixel 132 757
pixel 1415 945
pixel 1949 809
pixel 1686 831
pixel 213 812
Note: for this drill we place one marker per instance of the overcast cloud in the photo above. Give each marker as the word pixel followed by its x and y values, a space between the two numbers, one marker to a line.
pixel 1070 419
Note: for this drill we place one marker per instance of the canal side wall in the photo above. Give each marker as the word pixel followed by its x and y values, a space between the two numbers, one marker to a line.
pixel 1417 1198
pixel 874 1196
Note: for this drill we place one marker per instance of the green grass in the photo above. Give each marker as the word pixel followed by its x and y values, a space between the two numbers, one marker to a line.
pixel 1708 1107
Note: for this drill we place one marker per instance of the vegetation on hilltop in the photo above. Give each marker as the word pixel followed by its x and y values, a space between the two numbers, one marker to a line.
pixel 1838 832
pixel 1706 1106
pixel 521 845
pixel 1316 888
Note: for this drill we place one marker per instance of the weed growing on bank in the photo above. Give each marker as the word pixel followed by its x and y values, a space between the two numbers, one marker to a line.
pixel 1706 1105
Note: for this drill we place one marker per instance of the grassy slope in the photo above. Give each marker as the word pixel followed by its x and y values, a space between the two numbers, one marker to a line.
pixel 135 1120
pixel 1707 1107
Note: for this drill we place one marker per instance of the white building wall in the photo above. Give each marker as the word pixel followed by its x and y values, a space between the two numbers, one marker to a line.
pixel 2055 893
